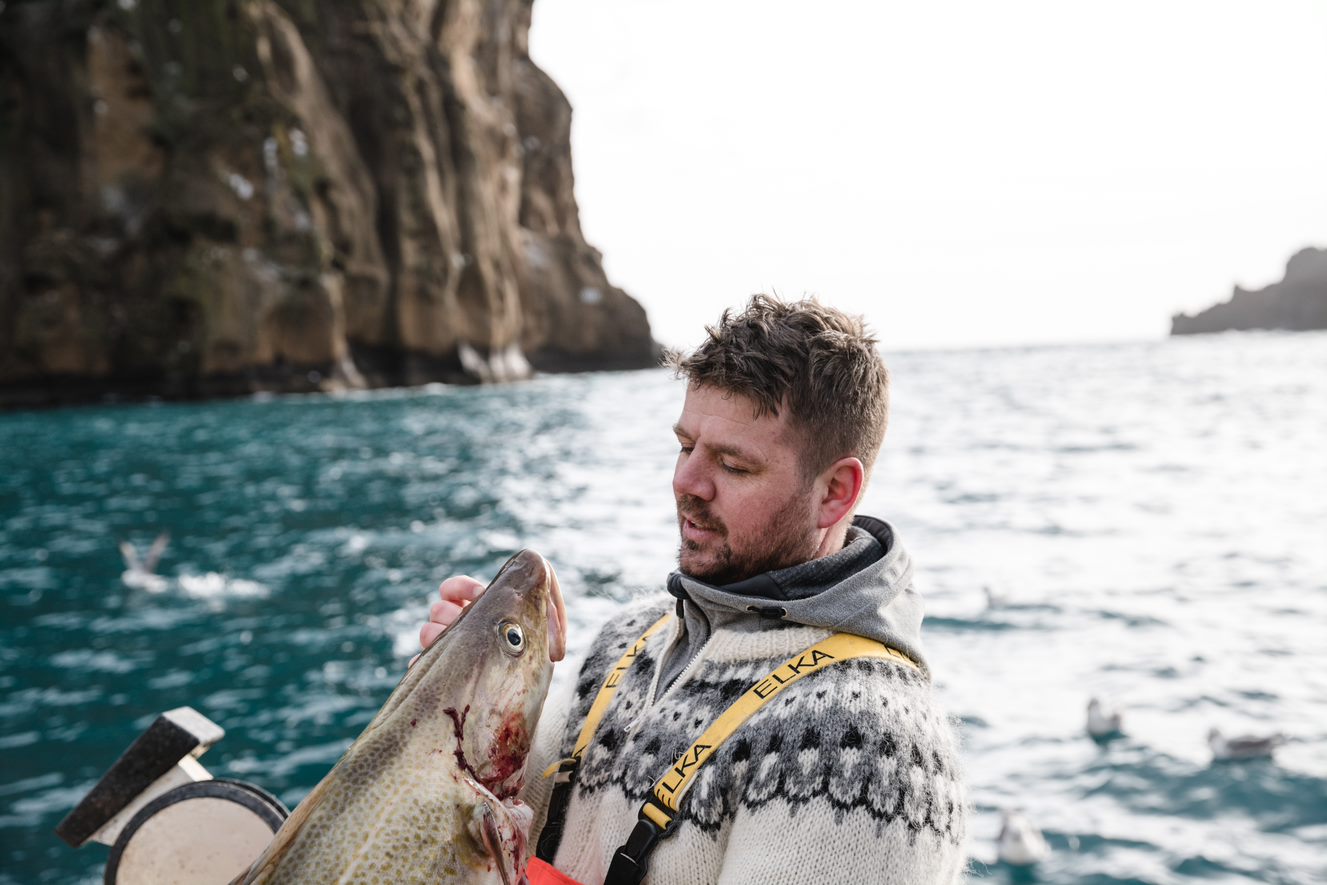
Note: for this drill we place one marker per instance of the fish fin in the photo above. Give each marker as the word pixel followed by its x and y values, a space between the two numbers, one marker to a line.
pixel 503 836
pixel 493 842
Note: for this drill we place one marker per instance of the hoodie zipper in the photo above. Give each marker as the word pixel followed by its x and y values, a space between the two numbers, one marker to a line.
pixel 653 698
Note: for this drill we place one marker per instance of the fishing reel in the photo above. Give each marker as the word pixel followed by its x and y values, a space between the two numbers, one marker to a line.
pixel 166 819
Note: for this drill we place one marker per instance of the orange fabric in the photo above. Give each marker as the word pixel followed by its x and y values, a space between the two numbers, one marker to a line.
pixel 541 873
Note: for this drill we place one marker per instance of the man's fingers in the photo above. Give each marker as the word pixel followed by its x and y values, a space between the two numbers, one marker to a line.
pixel 429 633
pixel 444 613
pixel 456 592
pixel 460 589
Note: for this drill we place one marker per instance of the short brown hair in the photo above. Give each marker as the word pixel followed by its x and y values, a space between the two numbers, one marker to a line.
pixel 818 361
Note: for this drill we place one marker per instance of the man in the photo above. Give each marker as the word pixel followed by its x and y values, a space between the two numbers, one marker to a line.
pixel 849 775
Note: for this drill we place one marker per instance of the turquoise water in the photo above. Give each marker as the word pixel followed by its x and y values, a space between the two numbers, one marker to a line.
pixel 1147 519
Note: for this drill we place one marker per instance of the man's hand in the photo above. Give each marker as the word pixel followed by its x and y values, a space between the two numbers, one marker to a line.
pixel 456 592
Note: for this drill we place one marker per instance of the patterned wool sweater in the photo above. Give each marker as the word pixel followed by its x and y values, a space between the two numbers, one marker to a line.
pixel 849 775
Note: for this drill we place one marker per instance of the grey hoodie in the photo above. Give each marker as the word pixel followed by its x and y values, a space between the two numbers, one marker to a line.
pixel 864 589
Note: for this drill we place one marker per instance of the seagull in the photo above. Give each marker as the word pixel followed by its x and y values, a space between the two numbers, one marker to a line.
pixel 1101 722
pixel 210 584
pixel 142 574
pixel 1021 844
pixel 1244 746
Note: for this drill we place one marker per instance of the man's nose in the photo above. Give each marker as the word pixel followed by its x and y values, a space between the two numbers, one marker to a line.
pixel 691 477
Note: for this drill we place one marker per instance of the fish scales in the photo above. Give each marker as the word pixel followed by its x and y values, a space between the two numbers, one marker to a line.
pixel 427 793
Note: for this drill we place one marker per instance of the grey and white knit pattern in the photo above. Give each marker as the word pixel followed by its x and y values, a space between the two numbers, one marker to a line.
pixel 849 775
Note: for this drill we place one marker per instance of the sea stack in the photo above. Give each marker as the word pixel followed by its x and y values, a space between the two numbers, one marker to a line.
pixel 1297 303
pixel 224 196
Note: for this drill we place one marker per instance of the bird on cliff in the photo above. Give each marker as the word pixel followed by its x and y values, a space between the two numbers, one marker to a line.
pixel 141 574
pixel 1103 723
pixel 1244 746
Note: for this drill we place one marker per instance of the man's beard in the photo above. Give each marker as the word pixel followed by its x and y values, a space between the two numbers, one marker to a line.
pixel 786 539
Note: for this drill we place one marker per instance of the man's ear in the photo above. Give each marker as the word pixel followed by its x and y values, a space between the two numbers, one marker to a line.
pixel 843 482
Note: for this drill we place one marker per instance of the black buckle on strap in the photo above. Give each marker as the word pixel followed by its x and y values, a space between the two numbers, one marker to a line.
pixel 567 770
pixel 632 861
pixel 550 837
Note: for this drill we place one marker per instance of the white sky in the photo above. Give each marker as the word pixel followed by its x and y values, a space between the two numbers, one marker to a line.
pixel 962 173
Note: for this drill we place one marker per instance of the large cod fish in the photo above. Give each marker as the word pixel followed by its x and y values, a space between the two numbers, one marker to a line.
pixel 428 791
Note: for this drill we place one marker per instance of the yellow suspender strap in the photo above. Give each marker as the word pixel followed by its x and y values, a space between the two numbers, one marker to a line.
pixel 668 791
pixel 550 837
pixel 605 697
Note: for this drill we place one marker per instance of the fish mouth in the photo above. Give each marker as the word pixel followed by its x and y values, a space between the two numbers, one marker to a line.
pixel 557 616
pixel 544 578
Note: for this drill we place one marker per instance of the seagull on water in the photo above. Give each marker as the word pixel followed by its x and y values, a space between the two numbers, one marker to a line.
pixel 1244 746
pixel 1102 722
pixel 142 574
pixel 1021 844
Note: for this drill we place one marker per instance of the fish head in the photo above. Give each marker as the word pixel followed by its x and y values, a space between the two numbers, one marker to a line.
pixel 499 654
pixel 463 717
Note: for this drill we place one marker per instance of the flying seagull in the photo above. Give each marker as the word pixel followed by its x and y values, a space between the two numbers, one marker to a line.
pixel 142 574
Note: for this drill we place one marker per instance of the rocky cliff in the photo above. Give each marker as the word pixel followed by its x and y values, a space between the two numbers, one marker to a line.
pixel 210 197
pixel 1297 303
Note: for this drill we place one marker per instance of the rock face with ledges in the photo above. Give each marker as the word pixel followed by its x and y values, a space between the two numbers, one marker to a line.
pixel 1297 303
pixel 209 197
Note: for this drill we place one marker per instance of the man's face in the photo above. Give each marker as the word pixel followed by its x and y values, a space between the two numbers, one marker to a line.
pixel 743 506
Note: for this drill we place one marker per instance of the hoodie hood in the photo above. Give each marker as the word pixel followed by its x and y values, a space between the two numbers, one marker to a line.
pixel 864 589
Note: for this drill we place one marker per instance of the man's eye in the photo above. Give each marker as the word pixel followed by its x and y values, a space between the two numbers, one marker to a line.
pixel 686 450
pixel 729 468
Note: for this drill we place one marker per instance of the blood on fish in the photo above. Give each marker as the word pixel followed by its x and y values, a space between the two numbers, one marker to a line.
pixel 507 755
pixel 458 726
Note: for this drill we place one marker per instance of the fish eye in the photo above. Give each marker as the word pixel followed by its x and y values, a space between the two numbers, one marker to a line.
pixel 513 637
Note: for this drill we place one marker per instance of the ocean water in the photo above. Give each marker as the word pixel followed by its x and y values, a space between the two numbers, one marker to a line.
pixel 1144 522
